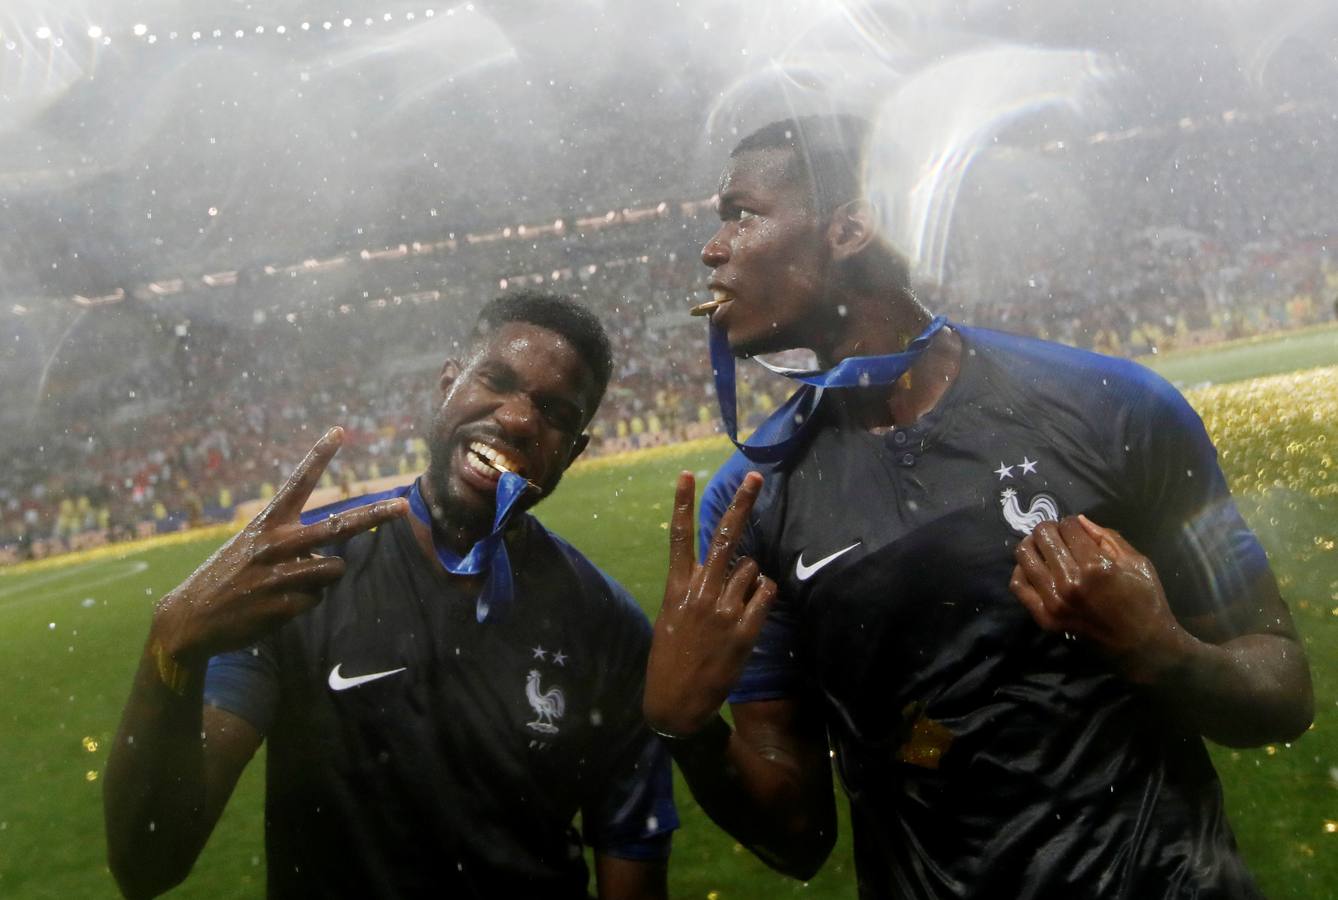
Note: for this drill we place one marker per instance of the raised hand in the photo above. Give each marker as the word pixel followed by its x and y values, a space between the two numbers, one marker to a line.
pixel 268 573
pixel 1076 577
pixel 710 619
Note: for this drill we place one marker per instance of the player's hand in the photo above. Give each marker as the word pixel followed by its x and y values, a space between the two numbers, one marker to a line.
pixel 268 573
pixel 710 619
pixel 1079 578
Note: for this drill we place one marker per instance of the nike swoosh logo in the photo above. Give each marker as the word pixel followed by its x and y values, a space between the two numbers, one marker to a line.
pixel 340 683
pixel 804 573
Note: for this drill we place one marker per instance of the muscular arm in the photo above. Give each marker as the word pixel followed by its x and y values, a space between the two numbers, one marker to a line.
pixel 1239 676
pixel 171 770
pixel 174 763
pixel 769 785
pixel 1240 691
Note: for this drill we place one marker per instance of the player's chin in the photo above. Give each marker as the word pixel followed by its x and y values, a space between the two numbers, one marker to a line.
pixel 747 341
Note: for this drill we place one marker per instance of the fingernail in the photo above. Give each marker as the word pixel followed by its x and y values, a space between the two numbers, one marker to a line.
pixel 334 433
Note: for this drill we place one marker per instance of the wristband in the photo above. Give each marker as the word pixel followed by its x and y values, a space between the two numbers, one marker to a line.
pixel 171 673
pixel 710 740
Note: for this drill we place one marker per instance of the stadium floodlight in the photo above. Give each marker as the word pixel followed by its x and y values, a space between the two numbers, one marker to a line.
pixel 43 33
pixel 220 279
pixel 115 296
pixel 140 29
pixel 94 31
pixel 167 286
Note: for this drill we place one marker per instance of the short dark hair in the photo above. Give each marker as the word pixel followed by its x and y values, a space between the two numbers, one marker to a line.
pixel 827 151
pixel 558 313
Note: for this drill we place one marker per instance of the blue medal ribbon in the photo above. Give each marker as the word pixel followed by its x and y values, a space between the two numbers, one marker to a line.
pixel 488 553
pixel 795 413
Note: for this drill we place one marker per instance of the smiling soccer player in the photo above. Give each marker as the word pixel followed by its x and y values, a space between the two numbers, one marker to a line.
pixel 441 688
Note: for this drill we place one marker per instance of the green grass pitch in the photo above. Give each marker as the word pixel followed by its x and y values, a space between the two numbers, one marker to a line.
pixel 70 636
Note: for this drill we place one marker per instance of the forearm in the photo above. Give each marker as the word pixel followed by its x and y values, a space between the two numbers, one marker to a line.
pixel 776 804
pixel 627 879
pixel 1247 691
pixel 155 793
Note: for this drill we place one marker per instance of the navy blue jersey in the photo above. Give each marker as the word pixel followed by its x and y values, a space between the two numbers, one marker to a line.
pixel 413 751
pixel 983 756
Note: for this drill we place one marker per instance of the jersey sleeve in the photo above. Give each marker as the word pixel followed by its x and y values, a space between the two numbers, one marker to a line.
pixel 629 813
pixel 245 683
pixel 1208 559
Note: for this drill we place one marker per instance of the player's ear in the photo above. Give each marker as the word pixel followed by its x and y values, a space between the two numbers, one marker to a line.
pixel 450 370
pixel 853 226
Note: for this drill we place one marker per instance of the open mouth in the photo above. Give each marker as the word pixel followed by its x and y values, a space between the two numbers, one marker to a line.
pixel 719 299
pixel 490 462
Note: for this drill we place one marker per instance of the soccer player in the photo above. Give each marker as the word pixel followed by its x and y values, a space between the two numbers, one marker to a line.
pixel 442 687
pixel 1013 591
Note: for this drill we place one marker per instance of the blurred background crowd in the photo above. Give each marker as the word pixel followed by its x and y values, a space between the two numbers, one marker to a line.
pixel 200 276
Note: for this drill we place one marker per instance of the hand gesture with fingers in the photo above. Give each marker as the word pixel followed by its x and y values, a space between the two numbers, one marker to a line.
pixel 268 573
pixel 1076 577
pixel 710 619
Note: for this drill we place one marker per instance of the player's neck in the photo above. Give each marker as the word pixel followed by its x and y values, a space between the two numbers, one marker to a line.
pixel 873 325
pixel 443 530
pixel 876 329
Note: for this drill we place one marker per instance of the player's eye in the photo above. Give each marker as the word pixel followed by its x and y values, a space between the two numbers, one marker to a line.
pixel 745 214
pixel 561 416
pixel 493 380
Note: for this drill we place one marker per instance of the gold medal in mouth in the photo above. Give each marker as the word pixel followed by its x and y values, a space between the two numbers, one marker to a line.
pixel 718 299
pixel 482 457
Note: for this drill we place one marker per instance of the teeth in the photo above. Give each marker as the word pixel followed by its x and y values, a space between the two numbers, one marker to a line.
pixel 494 457
pixel 719 295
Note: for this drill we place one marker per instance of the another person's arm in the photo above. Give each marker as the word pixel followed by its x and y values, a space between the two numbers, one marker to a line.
pixel 768 782
pixel 174 762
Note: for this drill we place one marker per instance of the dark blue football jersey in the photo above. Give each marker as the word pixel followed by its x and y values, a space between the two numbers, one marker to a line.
pixel 984 757
pixel 414 751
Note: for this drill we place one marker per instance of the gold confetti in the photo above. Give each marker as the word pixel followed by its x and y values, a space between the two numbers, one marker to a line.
pixel 713 895
pixel 1330 826
pixel 1271 750
pixel 91 745
pixel 91 775
pixel 1274 433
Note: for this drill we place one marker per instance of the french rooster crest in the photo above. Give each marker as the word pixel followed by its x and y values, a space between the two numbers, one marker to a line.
pixel 1042 509
pixel 548 705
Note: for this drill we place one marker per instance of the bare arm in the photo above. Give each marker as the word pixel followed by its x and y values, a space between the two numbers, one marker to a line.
pixel 1241 684
pixel 631 879
pixel 768 783
pixel 174 763
pixel 170 773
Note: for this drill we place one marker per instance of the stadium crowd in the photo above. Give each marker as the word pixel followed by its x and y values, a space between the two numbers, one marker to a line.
pixel 208 411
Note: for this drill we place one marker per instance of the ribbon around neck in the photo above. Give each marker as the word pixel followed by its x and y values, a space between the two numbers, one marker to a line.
pixel 488 553
pixel 791 417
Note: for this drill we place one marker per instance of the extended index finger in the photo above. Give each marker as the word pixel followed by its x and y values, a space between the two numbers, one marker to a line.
pixel 341 526
pixel 288 502
pixel 729 530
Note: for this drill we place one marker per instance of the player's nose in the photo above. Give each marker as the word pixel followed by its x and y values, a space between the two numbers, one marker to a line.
pixel 715 252
pixel 518 417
